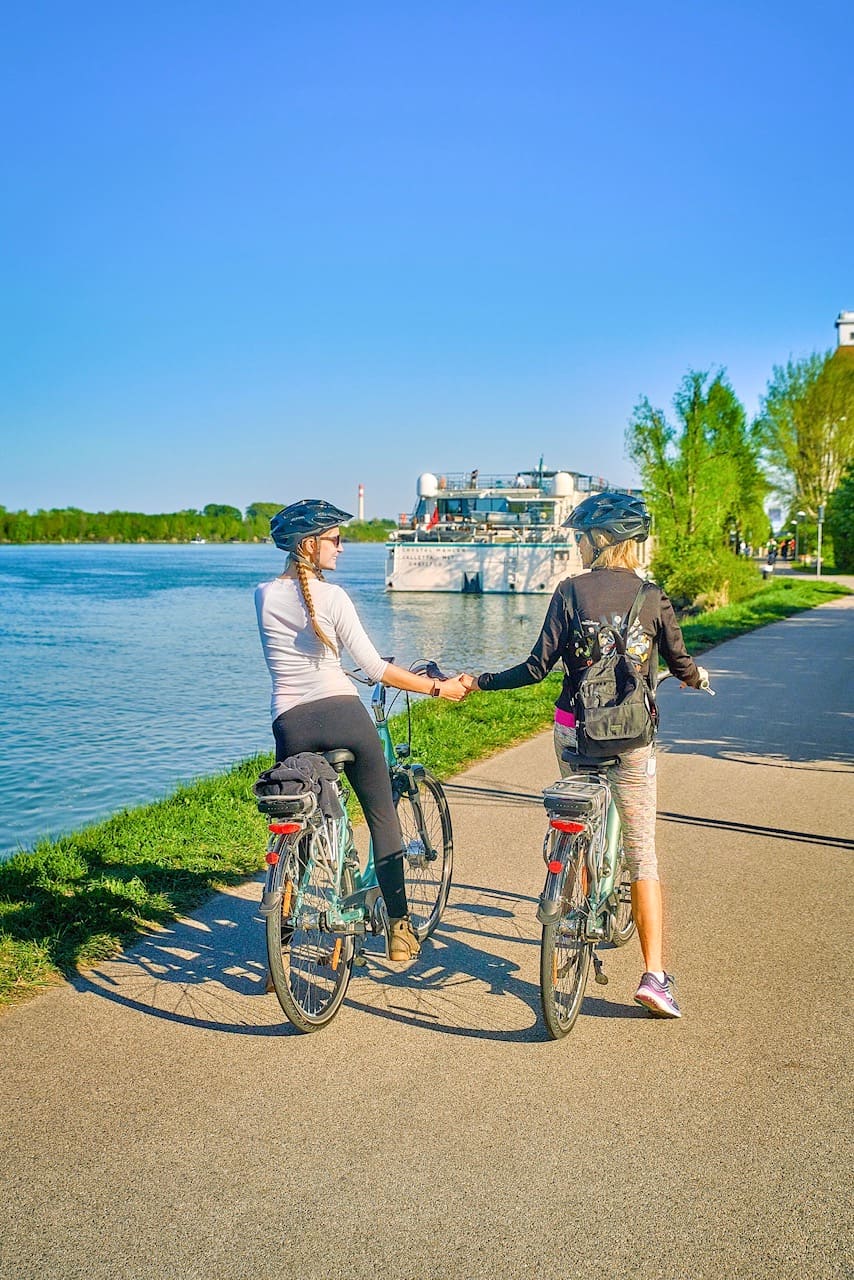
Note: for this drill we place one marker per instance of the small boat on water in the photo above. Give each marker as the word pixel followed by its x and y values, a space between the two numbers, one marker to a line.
pixel 197 541
pixel 489 534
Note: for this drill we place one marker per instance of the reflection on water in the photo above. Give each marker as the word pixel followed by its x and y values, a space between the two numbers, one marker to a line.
pixel 473 633
pixel 125 670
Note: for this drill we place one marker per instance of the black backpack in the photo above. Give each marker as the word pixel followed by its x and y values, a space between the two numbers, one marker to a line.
pixel 614 707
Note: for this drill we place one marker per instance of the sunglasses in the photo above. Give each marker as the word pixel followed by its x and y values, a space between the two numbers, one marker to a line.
pixel 336 541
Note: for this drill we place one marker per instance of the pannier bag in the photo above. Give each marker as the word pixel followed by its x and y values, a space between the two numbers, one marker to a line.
pixel 614 709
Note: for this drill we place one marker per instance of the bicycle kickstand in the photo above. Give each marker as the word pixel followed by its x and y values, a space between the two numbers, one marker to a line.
pixel 599 975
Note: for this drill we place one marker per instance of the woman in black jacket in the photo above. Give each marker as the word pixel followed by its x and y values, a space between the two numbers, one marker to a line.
pixel 608 528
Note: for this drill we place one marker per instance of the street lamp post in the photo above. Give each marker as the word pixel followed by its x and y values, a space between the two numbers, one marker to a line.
pixel 818 552
pixel 800 516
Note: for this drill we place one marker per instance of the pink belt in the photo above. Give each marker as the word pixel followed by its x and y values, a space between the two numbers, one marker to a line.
pixel 566 718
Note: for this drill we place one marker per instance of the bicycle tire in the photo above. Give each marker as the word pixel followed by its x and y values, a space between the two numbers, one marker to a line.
pixel 309 968
pixel 624 923
pixel 428 852
pixel 565 957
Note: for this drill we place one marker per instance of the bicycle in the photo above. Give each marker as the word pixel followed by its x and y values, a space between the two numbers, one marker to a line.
pixel 586 901
pixel 318 903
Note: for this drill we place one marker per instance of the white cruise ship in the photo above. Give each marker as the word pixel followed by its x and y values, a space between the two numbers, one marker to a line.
pixel 489 534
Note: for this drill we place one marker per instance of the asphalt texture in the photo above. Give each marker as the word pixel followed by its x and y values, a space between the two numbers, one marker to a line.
pixel 162 1119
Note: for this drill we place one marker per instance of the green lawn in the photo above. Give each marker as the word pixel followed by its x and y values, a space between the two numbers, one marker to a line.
pixel 78 899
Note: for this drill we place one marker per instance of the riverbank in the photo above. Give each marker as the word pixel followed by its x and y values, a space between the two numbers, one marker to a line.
pixel 78 899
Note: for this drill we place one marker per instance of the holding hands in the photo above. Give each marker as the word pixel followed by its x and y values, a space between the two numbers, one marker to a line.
pixel 454 688
pixel 457 688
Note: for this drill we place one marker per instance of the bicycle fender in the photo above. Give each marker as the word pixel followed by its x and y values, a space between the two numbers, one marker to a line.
pixel 549 907
pixel 270 900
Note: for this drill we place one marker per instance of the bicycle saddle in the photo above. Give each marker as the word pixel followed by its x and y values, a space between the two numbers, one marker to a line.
pixel 587 764
pixel 338 758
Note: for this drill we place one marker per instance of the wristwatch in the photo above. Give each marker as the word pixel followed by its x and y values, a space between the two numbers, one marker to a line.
pixel 436 690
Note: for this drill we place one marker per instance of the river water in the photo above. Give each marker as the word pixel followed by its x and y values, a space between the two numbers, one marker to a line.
pixel 125 670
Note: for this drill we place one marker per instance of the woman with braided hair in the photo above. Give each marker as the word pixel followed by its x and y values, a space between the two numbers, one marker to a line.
pixel 304 622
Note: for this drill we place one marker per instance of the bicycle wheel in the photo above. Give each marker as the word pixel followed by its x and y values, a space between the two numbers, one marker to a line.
pixel 428 853
pixel 624 925
pixel 564 953
pixel 309 965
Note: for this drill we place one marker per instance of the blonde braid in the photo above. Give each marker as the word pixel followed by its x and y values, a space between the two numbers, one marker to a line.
pixel 302 574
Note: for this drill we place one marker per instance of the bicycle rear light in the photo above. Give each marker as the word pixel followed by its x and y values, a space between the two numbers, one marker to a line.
pixel 561 824
pixel 555 867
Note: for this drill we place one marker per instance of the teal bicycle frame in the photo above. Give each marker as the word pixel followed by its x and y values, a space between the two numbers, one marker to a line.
pixel 318 902
pixel 576 806
pixel 334 840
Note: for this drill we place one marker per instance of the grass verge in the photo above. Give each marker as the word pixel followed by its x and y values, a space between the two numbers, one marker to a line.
pixel 75 900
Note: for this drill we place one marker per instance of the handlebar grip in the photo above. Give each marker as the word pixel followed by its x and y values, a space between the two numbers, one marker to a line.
pixel 428 668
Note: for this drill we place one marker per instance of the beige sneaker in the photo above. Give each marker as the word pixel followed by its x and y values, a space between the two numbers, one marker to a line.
pixel 402 942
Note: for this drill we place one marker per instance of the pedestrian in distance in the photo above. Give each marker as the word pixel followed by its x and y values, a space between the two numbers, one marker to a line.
pixel 304 622
pixel 608 528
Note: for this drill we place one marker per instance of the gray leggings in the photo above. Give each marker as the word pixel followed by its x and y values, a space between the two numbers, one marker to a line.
pixel 633 786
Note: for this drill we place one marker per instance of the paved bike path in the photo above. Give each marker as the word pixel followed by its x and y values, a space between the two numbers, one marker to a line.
pixel 160 1120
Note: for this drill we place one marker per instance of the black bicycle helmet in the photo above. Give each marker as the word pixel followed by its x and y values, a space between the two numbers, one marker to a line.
pixel 616 516
pixel 304 519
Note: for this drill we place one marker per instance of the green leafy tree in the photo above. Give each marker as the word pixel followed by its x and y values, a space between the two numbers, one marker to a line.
pixel 806 427
pixel 259 515
pixel 368 530
pixel 841 523
pixel 704 487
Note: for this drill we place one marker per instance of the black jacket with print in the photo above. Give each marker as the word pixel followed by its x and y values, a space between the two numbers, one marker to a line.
pixel 602 596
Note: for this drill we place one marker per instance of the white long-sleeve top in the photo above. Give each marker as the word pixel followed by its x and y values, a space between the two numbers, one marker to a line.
pixel 301 667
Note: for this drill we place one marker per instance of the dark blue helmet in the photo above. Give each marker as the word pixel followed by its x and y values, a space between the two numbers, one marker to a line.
pixel 304 519
pixel 617 516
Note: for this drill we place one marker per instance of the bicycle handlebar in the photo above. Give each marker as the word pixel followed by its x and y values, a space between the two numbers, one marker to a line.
pixel 421 667
pixel 703 687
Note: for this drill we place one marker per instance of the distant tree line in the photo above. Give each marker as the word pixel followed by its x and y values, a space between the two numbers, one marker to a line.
pixel 214 523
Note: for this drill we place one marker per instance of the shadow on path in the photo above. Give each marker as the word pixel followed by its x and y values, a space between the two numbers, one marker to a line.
pixel 747 828
pixel 208 972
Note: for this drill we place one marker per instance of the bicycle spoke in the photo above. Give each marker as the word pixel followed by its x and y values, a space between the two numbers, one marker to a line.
pixel 309 965
pixel 425 826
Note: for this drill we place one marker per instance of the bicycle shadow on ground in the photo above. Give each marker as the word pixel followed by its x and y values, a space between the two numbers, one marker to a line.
pixel 477 976
pixel 204 971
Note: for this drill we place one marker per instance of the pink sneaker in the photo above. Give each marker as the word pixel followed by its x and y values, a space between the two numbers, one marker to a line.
pixel 658 996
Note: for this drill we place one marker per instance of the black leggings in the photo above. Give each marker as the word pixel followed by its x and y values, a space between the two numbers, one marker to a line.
pixel 342 721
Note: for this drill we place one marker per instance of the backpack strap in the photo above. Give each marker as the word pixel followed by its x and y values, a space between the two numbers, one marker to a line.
pixel 621 634
pixel 634 613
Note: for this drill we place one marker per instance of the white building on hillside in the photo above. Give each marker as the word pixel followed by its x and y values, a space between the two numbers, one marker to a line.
pixel 845 329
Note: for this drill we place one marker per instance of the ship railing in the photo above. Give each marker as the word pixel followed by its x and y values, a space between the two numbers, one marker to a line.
pixel 522 481
pixel 448 533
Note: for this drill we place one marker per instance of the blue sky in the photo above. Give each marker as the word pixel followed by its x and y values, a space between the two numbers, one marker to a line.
pixel 271 250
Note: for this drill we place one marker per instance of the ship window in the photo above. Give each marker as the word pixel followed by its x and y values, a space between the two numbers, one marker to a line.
pixel 454 508
pixel 491 504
